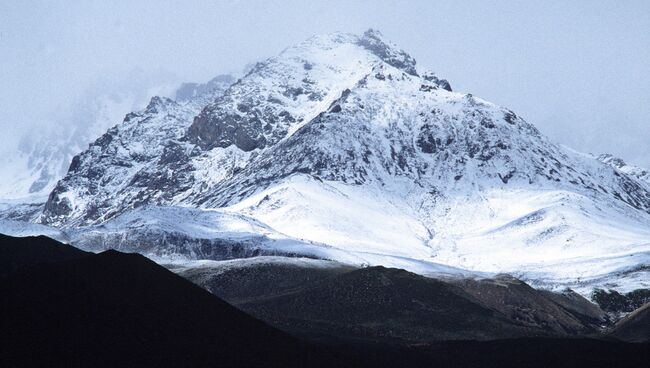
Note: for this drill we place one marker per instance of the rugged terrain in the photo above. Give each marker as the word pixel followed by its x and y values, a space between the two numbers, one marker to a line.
pixel 71 308
pixel 342 148
pixel 324 299
pixel 635 327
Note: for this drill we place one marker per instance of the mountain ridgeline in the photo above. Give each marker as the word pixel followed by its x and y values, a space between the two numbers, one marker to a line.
pixel 331 107
pixel 71 308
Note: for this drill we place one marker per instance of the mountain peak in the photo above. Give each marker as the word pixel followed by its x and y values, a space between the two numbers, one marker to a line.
pixel 373 33
pixel 431 77
pixel 157 103
pixel 339 141
pixel 281 94
pixel 190 91
pixel 374 41
pixel 619 164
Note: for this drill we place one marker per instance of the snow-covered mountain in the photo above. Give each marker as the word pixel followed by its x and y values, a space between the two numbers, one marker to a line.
pixel 31 169
pixel 199 95
pixel 632 170
pixel 342 141
pixel 43 156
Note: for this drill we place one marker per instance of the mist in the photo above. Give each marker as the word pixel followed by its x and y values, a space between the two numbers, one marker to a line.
pixel 577 70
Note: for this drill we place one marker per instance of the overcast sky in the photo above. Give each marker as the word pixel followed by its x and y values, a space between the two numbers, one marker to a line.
pixel 579 70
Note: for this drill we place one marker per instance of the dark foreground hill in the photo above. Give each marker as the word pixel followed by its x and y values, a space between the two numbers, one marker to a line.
pixel 510 353
pixel 392 305
pixel 387 317
pixel 635 327
pixel 122 310
pixel 16 253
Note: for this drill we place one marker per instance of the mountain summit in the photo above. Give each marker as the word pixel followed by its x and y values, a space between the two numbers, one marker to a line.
pixel 269 104
pixel 342 141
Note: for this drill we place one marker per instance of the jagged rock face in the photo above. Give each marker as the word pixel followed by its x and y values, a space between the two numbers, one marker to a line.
pixel 138 161
pixel 442 142
pixel 340 108
pixel 285 92
pixel 198 92
pixel 374 42
pixel 272 101
pixel 31 170
pixel 115 160
pixel 631 170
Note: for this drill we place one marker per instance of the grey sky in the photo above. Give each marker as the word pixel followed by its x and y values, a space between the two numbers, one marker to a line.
pixel 579 70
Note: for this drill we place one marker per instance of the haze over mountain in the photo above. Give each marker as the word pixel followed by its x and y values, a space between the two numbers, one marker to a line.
pixel 41 156
pixel 577 70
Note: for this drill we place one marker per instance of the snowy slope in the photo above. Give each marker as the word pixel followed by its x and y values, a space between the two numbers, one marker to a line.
pixel 551 238
pixel 341 143
pixel 190 236
pixel 345 216
pixel 183 233
pixel 22 228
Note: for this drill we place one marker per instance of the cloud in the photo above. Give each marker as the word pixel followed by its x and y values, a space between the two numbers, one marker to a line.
pixel 578 70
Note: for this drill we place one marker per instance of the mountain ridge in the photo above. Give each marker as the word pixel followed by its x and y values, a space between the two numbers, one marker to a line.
pixel 341 141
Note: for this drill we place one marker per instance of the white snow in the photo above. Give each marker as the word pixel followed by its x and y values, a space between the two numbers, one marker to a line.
pixel 21 229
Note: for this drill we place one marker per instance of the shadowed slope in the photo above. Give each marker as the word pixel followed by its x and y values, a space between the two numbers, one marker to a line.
pixel 635 327
pixel 16 253
pixel 116 309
